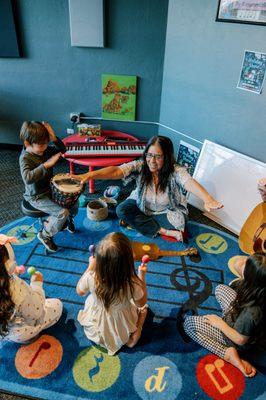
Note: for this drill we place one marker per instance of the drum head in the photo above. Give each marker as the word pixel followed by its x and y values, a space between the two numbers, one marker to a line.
pixel 66 184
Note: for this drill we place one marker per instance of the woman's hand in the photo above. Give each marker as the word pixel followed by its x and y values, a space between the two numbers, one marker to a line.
pixel 214 320
pixel 50 131
pixel 212 204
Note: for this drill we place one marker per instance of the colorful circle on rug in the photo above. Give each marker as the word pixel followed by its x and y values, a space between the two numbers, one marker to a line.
pixel 211 243
pixel 219 379
pixel 94 370
pixel 40 358
pixel 96 226
pixel 234 261
pixel 157 377
pixel 24 233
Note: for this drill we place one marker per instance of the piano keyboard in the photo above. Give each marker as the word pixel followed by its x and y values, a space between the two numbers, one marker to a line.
pixel 104 149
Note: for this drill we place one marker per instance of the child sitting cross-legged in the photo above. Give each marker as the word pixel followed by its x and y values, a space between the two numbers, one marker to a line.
pixel 116 308
pixel 242 327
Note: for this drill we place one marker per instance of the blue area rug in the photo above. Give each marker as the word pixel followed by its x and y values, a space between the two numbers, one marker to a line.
pixel 162 366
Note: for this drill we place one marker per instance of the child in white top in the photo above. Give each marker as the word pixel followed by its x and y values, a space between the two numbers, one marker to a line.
pixel 24 311
pixel 116 309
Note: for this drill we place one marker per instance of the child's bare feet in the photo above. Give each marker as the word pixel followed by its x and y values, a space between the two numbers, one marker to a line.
pixel 172 233
pixel 134 338
pixel 231 356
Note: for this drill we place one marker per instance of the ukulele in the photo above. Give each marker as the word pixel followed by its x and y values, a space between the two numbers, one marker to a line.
pixel 252 238
pixel 154 252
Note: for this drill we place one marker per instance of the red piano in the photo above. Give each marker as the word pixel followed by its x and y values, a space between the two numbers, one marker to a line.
pixel 111 148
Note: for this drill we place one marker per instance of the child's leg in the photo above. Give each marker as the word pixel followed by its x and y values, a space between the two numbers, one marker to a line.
pixel 215 341
pixel 206 335
pixel 53 312
pixel 135 336
pixel 57 215
pixel 225 295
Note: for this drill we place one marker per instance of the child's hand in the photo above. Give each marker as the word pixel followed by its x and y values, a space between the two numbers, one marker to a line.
pixel 92 264
pixel 214 320
pixel 50 131
pixel 37 277
pixel 52 161
pixel 212 204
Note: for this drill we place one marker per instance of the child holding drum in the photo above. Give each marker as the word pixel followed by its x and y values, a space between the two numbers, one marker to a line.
pixel 116 309
pixel 36 166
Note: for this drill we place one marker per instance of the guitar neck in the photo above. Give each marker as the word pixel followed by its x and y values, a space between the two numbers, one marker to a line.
pixel 188 252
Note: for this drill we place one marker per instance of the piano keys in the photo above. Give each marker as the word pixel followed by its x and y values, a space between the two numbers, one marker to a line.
pixel 104 149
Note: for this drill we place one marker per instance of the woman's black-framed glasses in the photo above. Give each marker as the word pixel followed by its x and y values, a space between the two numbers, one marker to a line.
pixel 158 157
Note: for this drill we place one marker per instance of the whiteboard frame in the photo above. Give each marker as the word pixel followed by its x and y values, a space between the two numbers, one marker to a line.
pixel 217 215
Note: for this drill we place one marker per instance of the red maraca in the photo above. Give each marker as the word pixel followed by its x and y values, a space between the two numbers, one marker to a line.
pixel 19 270
pixel 145 259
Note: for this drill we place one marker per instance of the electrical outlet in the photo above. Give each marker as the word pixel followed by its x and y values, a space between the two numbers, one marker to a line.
pixel 75 117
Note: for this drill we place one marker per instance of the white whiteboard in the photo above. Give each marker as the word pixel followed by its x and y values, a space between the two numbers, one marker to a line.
pixel 231 178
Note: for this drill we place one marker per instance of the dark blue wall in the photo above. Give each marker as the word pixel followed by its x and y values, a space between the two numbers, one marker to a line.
pixel 203 59
pixel 53 78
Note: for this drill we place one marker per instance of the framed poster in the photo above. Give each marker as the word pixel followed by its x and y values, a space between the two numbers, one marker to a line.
pixel 244 11
pixel 252 72
pixel 119 97
pixel 188 156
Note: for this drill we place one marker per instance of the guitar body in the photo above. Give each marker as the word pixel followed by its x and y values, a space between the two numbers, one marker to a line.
pixel 154 252
pixel 252 237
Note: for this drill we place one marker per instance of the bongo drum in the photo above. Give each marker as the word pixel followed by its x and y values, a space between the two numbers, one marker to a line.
pixel 65 190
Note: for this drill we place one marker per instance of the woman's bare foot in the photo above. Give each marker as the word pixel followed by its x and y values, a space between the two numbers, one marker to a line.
pixel 172 233
pixel 231 356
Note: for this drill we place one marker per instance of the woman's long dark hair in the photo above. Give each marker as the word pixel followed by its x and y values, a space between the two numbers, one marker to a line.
pixel 114 269
pixel 168 161
pixel 6 302
pixel 251 291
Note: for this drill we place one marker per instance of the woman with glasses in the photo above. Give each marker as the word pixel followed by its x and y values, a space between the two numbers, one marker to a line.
pixel 157 205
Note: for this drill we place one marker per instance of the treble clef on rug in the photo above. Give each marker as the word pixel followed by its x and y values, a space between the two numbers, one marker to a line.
pixel 195 298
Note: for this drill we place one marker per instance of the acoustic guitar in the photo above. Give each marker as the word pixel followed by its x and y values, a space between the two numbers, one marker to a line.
pixel 252 238
pixel 154 252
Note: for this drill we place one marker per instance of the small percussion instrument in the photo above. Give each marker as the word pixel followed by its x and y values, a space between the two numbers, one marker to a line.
pixel 66 190
pixel 154 252
pixel 97 210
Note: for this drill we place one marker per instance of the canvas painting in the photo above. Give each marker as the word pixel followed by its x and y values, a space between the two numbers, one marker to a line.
pixel 119 97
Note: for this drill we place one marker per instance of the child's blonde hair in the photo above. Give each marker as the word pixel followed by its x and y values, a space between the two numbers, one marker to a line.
pixel 115 271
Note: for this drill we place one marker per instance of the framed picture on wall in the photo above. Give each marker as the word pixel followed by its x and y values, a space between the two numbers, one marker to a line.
pixel 119 97
pixel 244 11
pixel 187 157
pixel 252 73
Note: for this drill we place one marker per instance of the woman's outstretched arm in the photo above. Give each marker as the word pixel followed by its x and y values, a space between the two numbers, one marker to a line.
pixel 195 188
pixel 103 173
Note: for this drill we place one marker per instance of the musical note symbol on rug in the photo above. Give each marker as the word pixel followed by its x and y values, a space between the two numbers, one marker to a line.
pixel 95 370
pixel 43 346
pixel 217 365
pixel 206 240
